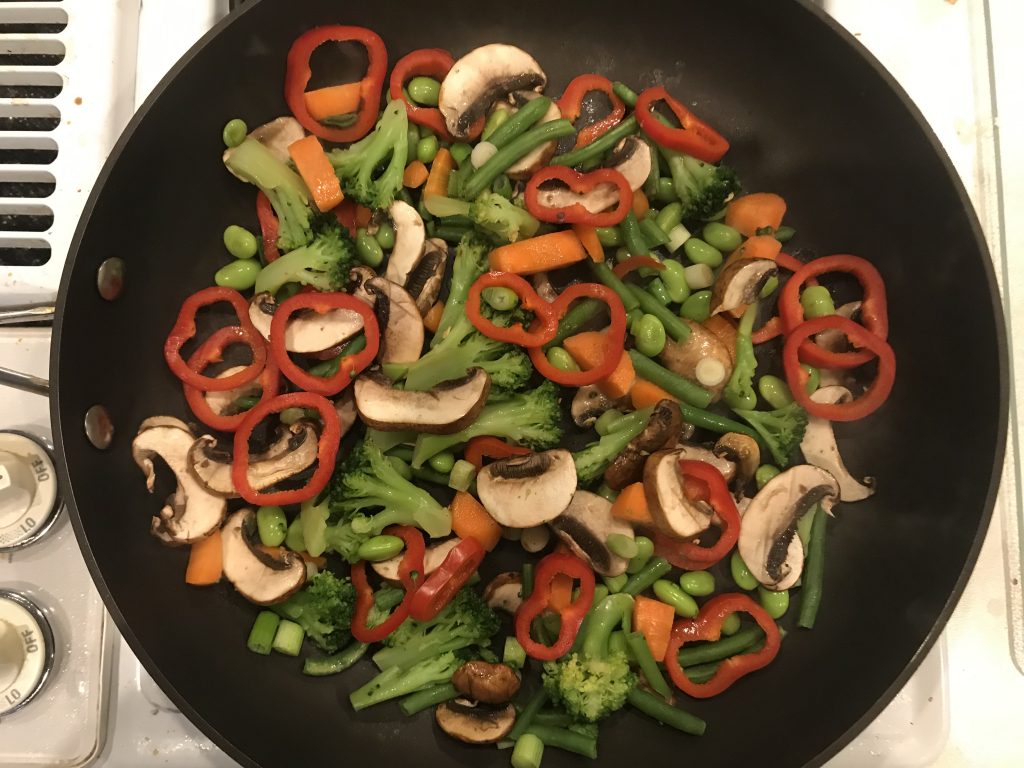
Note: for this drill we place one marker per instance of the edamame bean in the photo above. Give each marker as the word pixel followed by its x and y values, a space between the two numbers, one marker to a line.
pixel 380 548
pixel 442 462
pixel 731 625
pixel 700 252
pixel 385 235
pixel 674 278
pixel 670 216
pixel 649 334
pixel 775 603
pixel 499 116
pixel 765 473
pixel 740 573
pixel 657 289
pixel 669 593
pixel 644 550
pixel 622 545
pixel 426 149
pixel 240 242
pixel 605 420
pixel 722 236
pixel 813 378
pixel 817 302
pixel 615 583
pixel 666 189
pixel 770 286
pixel 609 237
pixel 561 359
pixel 784 234
pixel 697 307
pixel 368 250
pixel 697 583
pixel 424 90
pixel 234 132
pixel 501 299
pixel 272 526
pixel 240 274
pixel 775 391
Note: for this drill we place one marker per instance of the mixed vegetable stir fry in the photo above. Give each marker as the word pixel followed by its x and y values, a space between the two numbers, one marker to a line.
pixel 479 317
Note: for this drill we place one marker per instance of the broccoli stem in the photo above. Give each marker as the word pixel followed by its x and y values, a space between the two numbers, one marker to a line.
pixel 398 681
pixel 739 392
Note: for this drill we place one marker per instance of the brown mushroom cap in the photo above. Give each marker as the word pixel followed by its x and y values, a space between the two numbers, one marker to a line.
pixel 485 682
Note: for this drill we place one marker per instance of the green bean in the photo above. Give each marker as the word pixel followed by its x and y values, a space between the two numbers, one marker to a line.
pixel 429 475
pixel 697 583
pixel 684 389
pixel 644 550
pixel 775 603
pixel 714 422
pixel 722 236
pixel 731 625
pixel 765 473
pixel 428 697
pixel 615 583
pixel 648 666
pixel 561 359
pixel 675 327
pixel 234 132
pixel 649 334
pixel 499 115
pixel 691 655
pixel 609 237
pixel 603 425
pixel 532 707
pixel 653 234
pixel 501 299
pixel 674 277
pixel 775 391
pixel 563 738
pixel 527 752
pixel 697 307
pixel 576 320
pixel 669 593
pixel 514 151
pixel 665 713
pixel 597 148
pixel 240 242
pixel 527 580
pixel 621 545
pixel 701 673
pixel 814 573
pixel 632 236
pixel 741 574
pixel 242 404
pixel 784 234
pixel 604 274
pixel 700 252
pixel 813 378
pixel 427 148
pixel 442 462
pixel 817 302
pixel 617 643
pixel 770 286
pixel 385 235
pixel 368 250
pixel 424 90
pixel 624 92
pixel 450 233
pixel 240 274
pixel 555 718
pixel 519 123
pixel 460 152
pixel 272 526
pixel 655 568
pixel 657 289
pixel 670 216
pixel 339 662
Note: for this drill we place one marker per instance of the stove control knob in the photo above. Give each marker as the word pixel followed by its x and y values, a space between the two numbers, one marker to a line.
pixel 26 651
pixel 29 501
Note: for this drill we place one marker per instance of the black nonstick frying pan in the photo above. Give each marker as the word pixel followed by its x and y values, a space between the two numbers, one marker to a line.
pixel 810 115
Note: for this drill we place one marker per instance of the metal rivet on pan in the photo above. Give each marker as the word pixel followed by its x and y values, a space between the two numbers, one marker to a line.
pixel 110 278
pixel 98 427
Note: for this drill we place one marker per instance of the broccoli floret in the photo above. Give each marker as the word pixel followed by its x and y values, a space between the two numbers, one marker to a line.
pixel 286 191
pixel 394 682
pixel 469 263
pixel 357 166
pixel 502 218
pixel 466 621
pixel 593 682
pixel 324 609
pixel 593 460
pixel 739 391
pixel 702 188
pixel 781 429
pixel 532 418
pixel 323 264
pixel 367 479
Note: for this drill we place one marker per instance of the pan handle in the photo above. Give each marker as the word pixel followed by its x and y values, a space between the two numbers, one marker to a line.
pixel 25 382
pixel 36 313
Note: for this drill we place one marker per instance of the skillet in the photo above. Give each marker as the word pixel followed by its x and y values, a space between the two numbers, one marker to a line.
pixel 810 114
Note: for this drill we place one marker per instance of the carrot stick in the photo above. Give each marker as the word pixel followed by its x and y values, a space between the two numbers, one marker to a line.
pixel 587 349
pixel 588 236
pixel 432 319
pixel 653 619
pixel 753 212
pixel 560 596
pixel 205 562
pixel 318 173
pixel 333 101
pixel 415 175
pixel 631 505
pixel 757 247
pixel 539 254
pixel 645 393
pixel 471 521
pixel 440 170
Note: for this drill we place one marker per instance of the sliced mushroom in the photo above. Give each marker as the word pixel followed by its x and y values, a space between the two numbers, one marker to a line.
pixel 482 77
pixel 345 406
pixel 586 525
pixel 632 158
pixel 743 452
pixel 475 724
pixel 424 282
pixel 293 451
pixel 410 235
pixel 443 410
pixel 542 285
pixel 533 161
pixel 192 513
pixel 486 682
pixel 261 578
pixel 556 194
pixel 307 332
pixel 505 592
pixel 277 136
pixel 834 340
pixel 673 513
pixel 626 468
pixel 700 348
pixel 740 283
pixel 400 321
pixel 663 430
pixel 697 453
pixel 768 542
pixel 588 404
pixel 223 403
pixel 819 448
pixel 524 491
pixel 358 277
pixel 432 559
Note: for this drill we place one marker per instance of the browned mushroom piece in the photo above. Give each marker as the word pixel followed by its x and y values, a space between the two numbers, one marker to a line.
pixel 461 720
pixel 740 282
pixel 485 682
pixel 662 431
pixel 743 452
pixel 626 468
pixel 703 358
pixel 505 592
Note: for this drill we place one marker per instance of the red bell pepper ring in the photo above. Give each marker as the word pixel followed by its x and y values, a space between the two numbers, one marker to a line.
pixel 571 104
pixel 349 366
pixel 614 344
pixel 410 570
pixel 185 329
pixel 270 227
pixel 695 137
pixel 874 313
pixel 327 449
pixel 493 448
pixel 427 62
pixel 580 184
pixel 796 376
pixel 440 587
pixel 211 351
pixel 544 326
pixel 298 74
pixel 550 567
pixel 634 263
pixel 708 626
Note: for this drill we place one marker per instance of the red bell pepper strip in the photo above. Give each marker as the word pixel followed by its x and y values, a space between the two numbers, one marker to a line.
pixel 796 376
pixel 710 487
pixel 571 104
pixel 428 62
pixel 244 333
pixel 634 263
pixel 298 74
pixel 492 448
pixel 349 367
pixel 270 227
pixel 708 626
pixel 695 137
pixel 615 337
pixel 547 570
pixel 770 330
pixel 874 314
pixel 580 184
pixel 211 351
pixel 545 324
pixel 440 587
pixel 410 569
pixel 327 449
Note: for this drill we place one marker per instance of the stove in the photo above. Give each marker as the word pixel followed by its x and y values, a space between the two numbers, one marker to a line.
pixel 72 72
